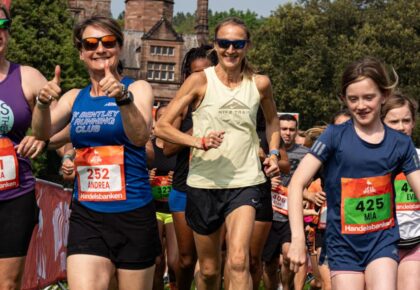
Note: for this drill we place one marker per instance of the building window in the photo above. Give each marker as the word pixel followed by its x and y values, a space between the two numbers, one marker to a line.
pixel 162 50
pixel 158 71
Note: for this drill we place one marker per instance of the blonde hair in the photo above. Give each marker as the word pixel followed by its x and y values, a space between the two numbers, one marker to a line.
pixel 312 134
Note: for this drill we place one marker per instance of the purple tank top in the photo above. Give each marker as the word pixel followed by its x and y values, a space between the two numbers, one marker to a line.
pixel 15 119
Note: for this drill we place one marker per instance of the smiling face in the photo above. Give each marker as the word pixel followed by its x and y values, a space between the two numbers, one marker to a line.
pixel 400 119
pixel 95 59
pixel 364 99
pixel 231 58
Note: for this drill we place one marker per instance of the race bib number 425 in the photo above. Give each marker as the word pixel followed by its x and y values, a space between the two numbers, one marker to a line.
pixel 100 173
pixel 366 204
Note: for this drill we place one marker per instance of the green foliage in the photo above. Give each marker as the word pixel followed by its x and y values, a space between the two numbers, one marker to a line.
pixel 251 19
pixel 41 37
pixel 304 48
pixel 120 19
pixel 184 23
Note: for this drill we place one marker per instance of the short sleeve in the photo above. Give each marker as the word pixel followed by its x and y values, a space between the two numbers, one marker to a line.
pixel 324 147
pixel 411 159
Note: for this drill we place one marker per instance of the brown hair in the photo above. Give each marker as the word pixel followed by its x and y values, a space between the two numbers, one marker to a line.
pixel 368 67
pixel 246 67
pixel 399 100
pixel 99 21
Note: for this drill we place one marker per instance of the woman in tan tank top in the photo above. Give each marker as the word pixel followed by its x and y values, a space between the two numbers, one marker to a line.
pixel 225 172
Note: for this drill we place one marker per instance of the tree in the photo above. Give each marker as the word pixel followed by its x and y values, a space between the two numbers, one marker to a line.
pixel 251 19
pixel 304 48
pixel 184 23
pixel 41 36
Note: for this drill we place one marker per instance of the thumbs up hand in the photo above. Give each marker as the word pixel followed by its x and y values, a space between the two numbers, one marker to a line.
pixel 51 90
pixel 110 85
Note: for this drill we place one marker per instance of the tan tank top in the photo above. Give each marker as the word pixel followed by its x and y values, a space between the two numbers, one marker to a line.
pixel 235 163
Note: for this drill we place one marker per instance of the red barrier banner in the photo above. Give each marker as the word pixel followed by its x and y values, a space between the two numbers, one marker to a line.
pixel 46 259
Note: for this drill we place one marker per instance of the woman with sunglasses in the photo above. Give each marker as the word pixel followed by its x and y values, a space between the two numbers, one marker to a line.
pixel 19 86
pixel 225 173
pixel 113 226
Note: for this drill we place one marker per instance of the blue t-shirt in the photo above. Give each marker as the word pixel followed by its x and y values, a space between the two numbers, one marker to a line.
pixel 96 121
pixel 360 196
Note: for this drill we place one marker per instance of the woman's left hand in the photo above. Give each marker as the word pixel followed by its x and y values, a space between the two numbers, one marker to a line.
pixel 110 85
pixel 30 147
pixel 271 166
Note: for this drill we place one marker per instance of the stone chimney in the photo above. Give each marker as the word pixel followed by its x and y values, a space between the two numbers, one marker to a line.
pixel 141 15
pixel 201 22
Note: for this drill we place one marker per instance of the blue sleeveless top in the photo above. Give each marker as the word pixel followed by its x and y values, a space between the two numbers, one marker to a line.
pixel 96 121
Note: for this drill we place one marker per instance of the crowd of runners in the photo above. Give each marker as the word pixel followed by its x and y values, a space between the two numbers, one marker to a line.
pixel 214 189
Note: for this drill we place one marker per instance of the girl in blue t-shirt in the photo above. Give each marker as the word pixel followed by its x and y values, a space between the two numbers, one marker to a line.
pixel 361 159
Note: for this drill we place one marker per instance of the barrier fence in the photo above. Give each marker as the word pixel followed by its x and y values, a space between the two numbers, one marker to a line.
pixel 46 259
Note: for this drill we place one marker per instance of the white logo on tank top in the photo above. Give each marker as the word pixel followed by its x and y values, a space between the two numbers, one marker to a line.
pixel 7 118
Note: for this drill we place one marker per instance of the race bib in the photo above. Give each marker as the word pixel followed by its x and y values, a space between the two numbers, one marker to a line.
pixel 161 186
pixel 279 199
pixel 405 198
pixel 100 173
pixel 366 204
pixel 9 166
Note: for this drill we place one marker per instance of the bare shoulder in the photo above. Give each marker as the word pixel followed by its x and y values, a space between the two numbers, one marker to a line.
pixel 142 91
pixel 28 70
pixel 70 96
pixel 199 77
pixel 31 77
pixel 140 84
pixel 263 82
pixel 196 83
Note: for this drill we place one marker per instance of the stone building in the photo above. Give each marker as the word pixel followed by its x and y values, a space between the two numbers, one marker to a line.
pixel 82 9
pixel 153 50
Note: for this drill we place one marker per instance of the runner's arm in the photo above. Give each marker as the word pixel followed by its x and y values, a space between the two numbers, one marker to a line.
pixel 47 121
pixel 414 180
pixel 302 176
pixel 137 116
pixel 272 122
pixel 193 89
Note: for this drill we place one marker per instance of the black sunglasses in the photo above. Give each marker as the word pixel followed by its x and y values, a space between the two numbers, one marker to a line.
pixel 92 43
pixel 237 44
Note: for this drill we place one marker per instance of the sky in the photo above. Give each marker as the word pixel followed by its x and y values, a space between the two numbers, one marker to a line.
pixel 262 7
